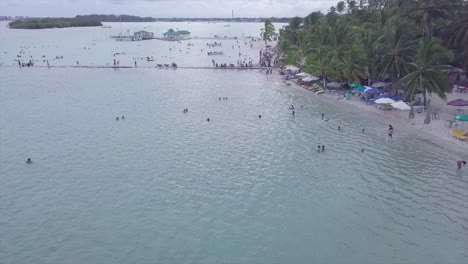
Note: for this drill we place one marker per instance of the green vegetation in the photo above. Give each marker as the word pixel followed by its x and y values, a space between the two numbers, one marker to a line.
pixel 41 23
pixel 411 42
pixel 267 31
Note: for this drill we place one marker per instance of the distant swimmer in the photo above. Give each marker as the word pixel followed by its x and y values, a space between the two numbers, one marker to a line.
pixel 323 148
pixel 259 116
pixel 29 161
pixel 459 164
pixel 117 118
pixel 363 131
pixel 318 149
pixel 293 113
pixel 326 120
pixel 362 150
pixel 208 119
pixel 323 115
pixel 219 98
pixel 339 128
pixel 123 117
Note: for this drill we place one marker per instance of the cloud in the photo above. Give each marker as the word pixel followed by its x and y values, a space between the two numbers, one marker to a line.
pixel 165 8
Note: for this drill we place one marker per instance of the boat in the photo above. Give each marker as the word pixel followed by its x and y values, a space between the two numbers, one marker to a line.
pixel 210 53
pixel 150 58
pixel 287 82
pixel 321 91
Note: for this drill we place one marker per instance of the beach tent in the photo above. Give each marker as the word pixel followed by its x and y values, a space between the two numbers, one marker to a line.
pixel 334 84
pixel 310 78
pixel 401 105
pixel 378 85
pixel 458 102
pixel 384 101
pixel 291 68
pixel 373 91
pixel 302 74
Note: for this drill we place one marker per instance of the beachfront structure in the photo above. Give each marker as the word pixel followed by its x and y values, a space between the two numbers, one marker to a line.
pixel 143 35
pixel 176 35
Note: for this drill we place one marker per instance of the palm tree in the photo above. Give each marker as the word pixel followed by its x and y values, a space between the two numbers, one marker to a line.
pixel 423 12
pixel 341 38
pixel 427 71
pixel 340 7
pixel 298 52
pixel 351 66
pixel 321 62
pixel 268 31
pixel 311 22
pixel 396 48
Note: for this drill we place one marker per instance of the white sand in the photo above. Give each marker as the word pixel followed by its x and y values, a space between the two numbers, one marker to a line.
pixel 437 132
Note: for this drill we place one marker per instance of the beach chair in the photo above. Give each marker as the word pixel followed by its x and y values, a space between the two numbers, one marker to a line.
pixel 458 134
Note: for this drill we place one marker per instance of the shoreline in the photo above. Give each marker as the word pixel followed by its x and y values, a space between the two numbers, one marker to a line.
pixel 437 133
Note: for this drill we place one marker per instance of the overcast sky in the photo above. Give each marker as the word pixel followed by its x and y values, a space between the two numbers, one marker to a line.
pixel 165 8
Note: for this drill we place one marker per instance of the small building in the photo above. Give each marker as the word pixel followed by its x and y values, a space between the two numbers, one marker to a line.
pixel 176 35
pixel 143 35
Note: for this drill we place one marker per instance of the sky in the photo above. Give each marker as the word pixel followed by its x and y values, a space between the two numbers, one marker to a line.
pixel 164 8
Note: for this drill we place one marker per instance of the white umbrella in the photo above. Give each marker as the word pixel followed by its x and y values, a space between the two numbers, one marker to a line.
pixel 310 79
pixel 378 85
pixel 401 105
pixel 384 101
pixel 302 74
pixel 291 68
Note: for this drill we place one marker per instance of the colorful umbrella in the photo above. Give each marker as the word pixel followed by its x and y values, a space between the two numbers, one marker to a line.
pixel 378 85
pixel 458 102
pixel 373 91
pixel 462 117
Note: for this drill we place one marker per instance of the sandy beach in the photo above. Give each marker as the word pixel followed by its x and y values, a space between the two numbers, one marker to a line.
pixel 437 132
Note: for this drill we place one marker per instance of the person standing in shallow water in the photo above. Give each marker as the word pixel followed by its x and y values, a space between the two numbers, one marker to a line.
pixel 29 161
pixel 318 149
pixel 323 148
pixel 460 164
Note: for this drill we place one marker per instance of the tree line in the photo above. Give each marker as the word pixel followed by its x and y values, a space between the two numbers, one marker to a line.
pixel 53 23
pixel 414 43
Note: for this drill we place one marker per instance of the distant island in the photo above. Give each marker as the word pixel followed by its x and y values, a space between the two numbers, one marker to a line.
pixel 41 23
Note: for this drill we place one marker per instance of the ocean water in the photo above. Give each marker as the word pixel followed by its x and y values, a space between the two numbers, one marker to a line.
pixel 162 186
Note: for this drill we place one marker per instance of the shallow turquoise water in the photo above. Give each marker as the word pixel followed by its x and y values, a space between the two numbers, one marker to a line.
pixel 167 187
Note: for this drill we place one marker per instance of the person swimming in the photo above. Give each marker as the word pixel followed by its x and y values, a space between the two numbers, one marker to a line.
pixel 259 116
pixel 29 161
pixel 339 128
pixel 219 98
pixel 323 148
pixel 208 119
pixel 363 131
pixel 123 117
pixel 362 150
pixel 318 149
pixel 293 113
pixel 323 116
pixel 326 120
pixel 117 118
pixel 459 164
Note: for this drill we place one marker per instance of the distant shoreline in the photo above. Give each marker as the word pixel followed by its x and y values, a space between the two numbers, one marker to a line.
pixel 53 23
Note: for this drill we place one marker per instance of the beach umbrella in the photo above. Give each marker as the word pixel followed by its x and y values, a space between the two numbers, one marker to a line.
pixel 291 68
pixel 334 84
pixel 401 105
pixel 373 91
pixel 302 74
pixel 427 120
pixel 310 78
pixel 458 102
pixel 462 117
pixel 360 89
pixel 378 85
pixel 384 101
pixel 354 85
